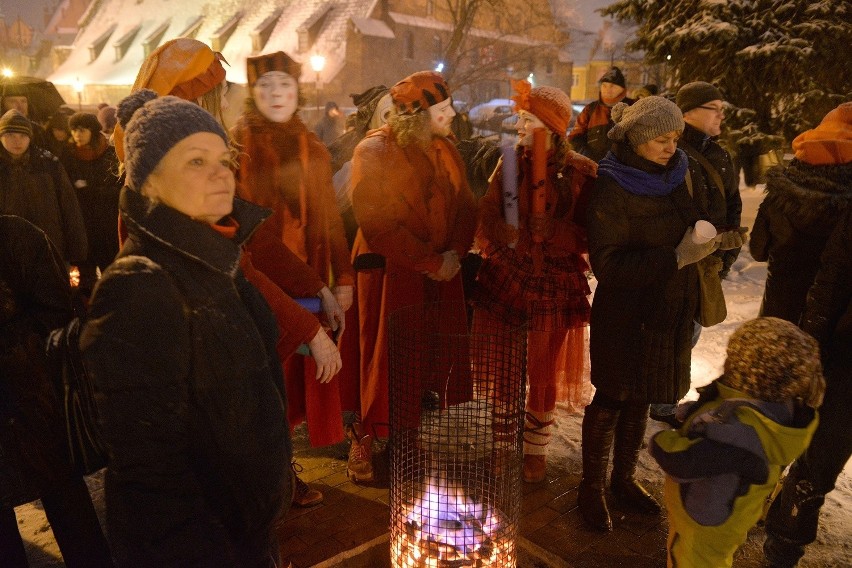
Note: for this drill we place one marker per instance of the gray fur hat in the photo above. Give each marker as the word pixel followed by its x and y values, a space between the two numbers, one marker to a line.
pixel 644 120
pixel 154 125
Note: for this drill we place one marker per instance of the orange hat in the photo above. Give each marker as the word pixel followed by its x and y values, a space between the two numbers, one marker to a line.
pixel 549 104
pixel 419 91
pixel 183 67
pixel 830 143
pixel 278 61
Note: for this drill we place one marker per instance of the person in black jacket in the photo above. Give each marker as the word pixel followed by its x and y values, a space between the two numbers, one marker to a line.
pixel 802 205
pixel 33 185
pixel 92 167
pixel 642 253
pixel 181 348
pixel 35 298
pixel 793 518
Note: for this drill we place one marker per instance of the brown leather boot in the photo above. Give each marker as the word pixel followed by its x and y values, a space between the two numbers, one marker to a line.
pixel 303 494
pixel 598 431
pixel 629 435
pixel 360 464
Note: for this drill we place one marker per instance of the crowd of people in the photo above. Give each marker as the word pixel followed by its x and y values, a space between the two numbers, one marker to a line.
pixel 237 282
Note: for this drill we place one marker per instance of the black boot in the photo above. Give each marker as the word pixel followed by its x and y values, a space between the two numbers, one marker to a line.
pixel 598 431
pixel 793 518
pixel 629 435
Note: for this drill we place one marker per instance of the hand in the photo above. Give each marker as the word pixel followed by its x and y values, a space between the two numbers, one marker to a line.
pixel 449 268
pixel 333 312
pixel 326 355
pixel 688 252
pixel 541 225
pixel 344 296
pixel 732 239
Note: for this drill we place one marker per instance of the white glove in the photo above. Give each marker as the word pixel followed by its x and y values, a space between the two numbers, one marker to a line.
pixel 449 268
pixel 688 252
pixel 344 296
pixel 326 355
pixel 333 312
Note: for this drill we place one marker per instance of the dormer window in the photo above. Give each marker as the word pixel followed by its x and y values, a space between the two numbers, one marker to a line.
pixel 153 40
pixel 310 29
pixel 192 27
pixel 124 42
pixel 220 37
pixel 97 46
pixel 260 34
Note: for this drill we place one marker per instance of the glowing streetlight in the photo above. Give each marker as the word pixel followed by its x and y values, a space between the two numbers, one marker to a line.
pixel 317 64
pixel 439 67
pixel 7 73
pixel 78 88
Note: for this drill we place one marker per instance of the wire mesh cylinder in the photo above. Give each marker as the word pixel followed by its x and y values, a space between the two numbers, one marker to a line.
pixel 456 413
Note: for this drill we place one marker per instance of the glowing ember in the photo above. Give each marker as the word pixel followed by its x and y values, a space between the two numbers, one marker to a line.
pixel 74 276
pixel 446 528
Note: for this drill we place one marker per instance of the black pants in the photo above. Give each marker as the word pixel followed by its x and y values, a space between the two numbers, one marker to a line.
pixel 75 526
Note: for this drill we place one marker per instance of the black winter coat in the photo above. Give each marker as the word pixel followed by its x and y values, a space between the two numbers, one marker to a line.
pixel 190 394
pixel 644 307
pixel 36 188
pixel 724 211
pixel 35 298
pixel 97 185
pixel 802 205
pixel 828 314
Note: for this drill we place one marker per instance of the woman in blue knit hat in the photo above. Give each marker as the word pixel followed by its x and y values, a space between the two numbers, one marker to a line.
pixel 182 352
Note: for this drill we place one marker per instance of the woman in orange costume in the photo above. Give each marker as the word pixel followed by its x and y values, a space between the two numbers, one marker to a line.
pixel 285 167
pixel 414 208
pixel 191 70
pixel 534 272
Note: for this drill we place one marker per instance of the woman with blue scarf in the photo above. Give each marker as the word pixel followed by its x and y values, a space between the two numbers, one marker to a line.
pixel 640 223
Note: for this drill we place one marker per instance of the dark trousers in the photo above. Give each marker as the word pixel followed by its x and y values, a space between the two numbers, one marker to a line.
pixel 75 526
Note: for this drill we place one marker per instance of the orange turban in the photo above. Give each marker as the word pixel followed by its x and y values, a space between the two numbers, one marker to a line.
pixel 419 91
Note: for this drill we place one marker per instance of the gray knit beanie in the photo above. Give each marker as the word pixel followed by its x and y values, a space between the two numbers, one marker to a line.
pixel 693 95
pixel 644 120
pixel 154 125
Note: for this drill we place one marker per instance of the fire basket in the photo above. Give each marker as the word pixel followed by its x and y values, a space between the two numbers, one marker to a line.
pixel 456 412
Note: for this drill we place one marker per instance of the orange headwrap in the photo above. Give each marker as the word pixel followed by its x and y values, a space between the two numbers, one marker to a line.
pixel 419 91
pixel 183 67
pixel 830 143
pixel 549 104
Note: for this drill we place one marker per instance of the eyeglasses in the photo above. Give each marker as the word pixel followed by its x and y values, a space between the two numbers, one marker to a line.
pixel 717 110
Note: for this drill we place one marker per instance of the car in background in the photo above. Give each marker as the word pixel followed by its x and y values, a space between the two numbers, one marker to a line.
pixel 487 117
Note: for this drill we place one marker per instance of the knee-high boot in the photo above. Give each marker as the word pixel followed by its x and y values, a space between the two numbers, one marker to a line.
pixel 629 434
pixel 598 431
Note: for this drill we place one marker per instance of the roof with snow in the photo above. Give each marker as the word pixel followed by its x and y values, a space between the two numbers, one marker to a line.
pixel 116 35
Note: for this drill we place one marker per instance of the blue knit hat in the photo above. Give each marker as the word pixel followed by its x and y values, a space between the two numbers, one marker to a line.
pixel 154 125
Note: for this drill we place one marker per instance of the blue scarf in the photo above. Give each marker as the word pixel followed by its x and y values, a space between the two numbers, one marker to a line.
pixel 638 182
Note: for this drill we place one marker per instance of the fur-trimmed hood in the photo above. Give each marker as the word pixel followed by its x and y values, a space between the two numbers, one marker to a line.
pixel 810 195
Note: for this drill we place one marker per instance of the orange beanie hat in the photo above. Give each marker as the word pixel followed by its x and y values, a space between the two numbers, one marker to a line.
pixel 830 143
pixel 549 104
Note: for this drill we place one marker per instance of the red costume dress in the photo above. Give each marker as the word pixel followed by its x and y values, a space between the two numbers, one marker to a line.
pixel 549 293
pixel 411 205
pixel 285 167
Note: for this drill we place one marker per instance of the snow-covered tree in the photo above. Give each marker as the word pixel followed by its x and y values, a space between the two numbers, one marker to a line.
pixel 787 60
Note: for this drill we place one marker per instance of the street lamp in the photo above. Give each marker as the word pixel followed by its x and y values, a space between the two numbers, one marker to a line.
pixel 7 73
pixel 78 88
pixel 317 64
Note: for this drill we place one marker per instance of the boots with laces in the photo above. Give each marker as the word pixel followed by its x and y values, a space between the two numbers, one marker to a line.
pixel 303 495
pixel 360 464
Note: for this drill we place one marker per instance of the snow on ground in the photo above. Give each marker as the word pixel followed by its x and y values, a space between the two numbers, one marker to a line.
pixel 743 292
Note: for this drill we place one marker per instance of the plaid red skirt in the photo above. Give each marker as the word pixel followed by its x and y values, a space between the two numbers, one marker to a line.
pixel 556 298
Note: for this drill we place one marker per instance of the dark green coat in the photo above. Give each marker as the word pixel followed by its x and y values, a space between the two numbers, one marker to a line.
pixel 644 307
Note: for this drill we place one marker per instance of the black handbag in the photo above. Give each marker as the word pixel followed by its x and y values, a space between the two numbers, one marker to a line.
pixel 86 450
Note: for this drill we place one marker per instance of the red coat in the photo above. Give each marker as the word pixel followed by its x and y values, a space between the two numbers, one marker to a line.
pixel 285 167
pixel 410 211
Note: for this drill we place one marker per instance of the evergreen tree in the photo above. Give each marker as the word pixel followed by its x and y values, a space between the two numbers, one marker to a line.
pixel 785 60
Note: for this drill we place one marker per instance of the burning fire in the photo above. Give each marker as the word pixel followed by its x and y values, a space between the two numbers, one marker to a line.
pixel 446 528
